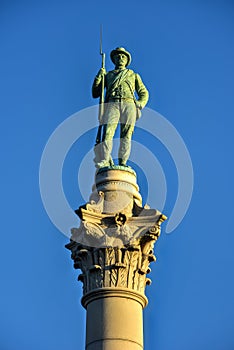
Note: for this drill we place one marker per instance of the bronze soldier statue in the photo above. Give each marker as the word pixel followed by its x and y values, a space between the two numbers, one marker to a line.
pixel 121 105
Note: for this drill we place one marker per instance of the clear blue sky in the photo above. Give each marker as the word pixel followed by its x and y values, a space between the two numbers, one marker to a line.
pixel 184 51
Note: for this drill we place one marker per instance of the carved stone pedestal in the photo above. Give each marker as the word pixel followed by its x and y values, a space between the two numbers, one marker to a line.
pixel 113 248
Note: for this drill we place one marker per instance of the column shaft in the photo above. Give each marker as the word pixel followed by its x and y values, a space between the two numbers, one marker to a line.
pixel 114 320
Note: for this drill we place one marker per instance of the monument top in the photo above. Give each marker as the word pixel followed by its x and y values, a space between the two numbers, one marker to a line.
pixel 122 96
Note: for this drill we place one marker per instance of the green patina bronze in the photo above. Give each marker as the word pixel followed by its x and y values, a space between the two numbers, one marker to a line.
pixel 121 106
pixel 117 167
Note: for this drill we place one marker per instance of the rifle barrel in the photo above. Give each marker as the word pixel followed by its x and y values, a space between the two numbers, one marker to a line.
pixel 101 53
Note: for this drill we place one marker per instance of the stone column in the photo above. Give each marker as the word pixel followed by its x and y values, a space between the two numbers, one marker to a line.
pixel 113 248
pixel 114 319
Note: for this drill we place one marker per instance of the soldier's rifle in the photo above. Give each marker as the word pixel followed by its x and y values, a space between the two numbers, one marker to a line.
pixel 101 101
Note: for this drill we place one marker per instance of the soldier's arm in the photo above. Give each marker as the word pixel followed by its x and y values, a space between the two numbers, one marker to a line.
pixel 97 84
pixel 142 92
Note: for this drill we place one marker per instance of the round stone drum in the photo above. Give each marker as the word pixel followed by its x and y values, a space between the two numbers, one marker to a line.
pixel 119 185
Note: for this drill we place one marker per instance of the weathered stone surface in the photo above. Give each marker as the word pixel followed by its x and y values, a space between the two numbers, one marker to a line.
pixel 114 319
pixel 127 266
pixel 119 187
pixel 113 230
pixel 113 246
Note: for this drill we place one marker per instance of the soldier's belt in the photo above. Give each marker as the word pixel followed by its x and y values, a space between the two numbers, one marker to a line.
pixel 120 99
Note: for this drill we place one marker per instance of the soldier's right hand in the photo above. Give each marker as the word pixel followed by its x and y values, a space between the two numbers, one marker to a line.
pixel 101 72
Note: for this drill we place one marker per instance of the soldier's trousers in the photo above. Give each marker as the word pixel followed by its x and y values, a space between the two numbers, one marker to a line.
pixel 125 114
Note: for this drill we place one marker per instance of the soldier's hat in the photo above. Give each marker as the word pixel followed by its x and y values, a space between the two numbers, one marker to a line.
pixel 121 50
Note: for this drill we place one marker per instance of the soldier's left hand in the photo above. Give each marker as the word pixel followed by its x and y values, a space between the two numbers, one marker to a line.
pixel 138 105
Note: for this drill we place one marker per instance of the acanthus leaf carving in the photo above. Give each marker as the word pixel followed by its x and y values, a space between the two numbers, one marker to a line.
pixel 125 266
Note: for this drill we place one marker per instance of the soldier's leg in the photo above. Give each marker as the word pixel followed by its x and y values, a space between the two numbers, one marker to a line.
pixel 127 120
pixel 111 120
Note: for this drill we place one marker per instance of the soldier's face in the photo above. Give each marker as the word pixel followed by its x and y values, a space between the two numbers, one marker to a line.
pixel 120 59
